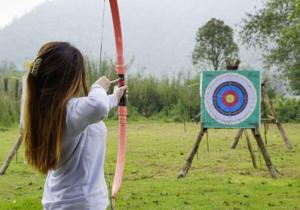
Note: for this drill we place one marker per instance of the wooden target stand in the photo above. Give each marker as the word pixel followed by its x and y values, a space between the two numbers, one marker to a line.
pixel 256 134
pixel 266 120
pixel 260 144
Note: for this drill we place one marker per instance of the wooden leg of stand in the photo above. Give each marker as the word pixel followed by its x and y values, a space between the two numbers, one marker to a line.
pixel 284 136
pixel 264 152
pixel 269 103
pixel 250 148
pixel 190 158
pixel 237 138
pixel 265 132
pixel 11 155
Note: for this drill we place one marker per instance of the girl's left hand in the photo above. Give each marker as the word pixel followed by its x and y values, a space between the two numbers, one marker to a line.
pixel 119 91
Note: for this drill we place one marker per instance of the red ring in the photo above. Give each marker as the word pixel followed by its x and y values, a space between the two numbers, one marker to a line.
pixel 235 101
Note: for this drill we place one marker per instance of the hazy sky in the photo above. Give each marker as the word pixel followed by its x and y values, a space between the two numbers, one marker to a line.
pixel 147 48
pixel 10 9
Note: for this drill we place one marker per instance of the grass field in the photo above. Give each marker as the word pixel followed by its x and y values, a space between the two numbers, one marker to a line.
pixel 220 178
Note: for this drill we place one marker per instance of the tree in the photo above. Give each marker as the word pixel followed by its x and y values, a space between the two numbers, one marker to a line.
pixel 214 43
pixel 276 29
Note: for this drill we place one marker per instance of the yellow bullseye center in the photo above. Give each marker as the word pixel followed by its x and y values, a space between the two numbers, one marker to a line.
pixel 230 98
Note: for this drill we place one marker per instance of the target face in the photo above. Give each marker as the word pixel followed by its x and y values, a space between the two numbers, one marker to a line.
pixel 229 99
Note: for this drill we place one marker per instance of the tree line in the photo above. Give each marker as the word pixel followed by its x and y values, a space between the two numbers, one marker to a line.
pixel 173 99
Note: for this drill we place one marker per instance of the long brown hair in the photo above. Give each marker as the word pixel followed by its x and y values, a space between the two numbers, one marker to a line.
pixel 58 76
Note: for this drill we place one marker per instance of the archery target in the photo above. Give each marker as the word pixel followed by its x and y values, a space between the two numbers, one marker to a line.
pixel 230 98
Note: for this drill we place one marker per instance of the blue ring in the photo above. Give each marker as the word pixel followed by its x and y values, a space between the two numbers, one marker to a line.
pixel 223 106
pixel 242 100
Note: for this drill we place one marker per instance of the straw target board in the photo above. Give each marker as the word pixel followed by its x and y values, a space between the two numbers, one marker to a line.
pixel 230 99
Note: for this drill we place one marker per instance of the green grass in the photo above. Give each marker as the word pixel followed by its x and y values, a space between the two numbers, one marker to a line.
pixel 219 179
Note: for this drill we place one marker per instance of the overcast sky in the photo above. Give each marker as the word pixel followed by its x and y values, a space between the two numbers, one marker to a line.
pixel 147 48
pixel 11 9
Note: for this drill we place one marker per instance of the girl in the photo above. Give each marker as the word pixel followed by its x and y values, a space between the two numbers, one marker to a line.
pixel 64 134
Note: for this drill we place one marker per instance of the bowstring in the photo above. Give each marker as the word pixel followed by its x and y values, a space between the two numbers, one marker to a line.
pixel 107 174
pixel 101 38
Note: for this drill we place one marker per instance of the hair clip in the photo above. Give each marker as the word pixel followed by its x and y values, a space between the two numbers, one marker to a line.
pixel 35 66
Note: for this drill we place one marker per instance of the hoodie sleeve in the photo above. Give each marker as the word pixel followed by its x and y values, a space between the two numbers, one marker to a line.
pixel 84 111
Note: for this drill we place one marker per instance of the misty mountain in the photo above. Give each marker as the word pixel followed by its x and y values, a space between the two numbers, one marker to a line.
pixel 159 34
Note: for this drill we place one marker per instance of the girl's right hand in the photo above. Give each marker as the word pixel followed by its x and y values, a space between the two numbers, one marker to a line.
pixel 103 82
